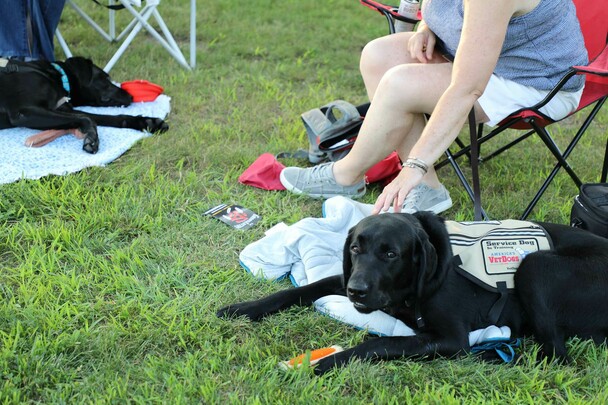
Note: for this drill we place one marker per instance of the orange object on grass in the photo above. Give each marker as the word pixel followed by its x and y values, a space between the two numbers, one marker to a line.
pixel 315 356
pixel 142 90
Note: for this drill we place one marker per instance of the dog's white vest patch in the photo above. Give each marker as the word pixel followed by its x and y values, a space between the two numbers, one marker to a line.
pixel 490 252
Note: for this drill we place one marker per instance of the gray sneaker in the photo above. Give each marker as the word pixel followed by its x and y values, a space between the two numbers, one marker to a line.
pixel 318 182
pixel 425 198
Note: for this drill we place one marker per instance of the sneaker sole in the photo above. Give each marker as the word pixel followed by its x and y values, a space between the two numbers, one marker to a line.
pixel 437 208
pixel 442 206
pixel 296 190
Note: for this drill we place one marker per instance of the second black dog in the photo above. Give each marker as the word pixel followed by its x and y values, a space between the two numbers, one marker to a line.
pixel 402 264
pixel 41 95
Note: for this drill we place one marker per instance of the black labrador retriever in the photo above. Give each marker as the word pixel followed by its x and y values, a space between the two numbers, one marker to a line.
pixel 403 264
pixel 41 95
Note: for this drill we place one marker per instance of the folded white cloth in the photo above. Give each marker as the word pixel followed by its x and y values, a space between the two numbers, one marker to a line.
pixel 65 155
pixel 311 249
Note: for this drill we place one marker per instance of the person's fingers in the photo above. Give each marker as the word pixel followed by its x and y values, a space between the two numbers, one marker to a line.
pixel 384 200
pixel 396 205
pixel 416 46
pixel 378 205
pixel 421 55
pixel 430 47
pixel 412 48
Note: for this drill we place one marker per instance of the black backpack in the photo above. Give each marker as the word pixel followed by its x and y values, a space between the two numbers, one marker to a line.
pixel 590 209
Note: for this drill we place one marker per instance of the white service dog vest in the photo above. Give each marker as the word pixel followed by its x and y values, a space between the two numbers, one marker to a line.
pixel 489 252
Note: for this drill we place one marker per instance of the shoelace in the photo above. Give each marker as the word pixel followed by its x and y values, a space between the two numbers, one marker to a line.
pixel 413 198
pixel 316 173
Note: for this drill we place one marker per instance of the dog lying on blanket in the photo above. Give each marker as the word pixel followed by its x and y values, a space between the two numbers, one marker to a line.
pixel 404 265
pixel 41 95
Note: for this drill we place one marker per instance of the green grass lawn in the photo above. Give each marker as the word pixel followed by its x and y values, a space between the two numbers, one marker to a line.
pixel 110 278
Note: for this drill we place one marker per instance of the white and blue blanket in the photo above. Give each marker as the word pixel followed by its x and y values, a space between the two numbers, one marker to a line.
pixel 65 155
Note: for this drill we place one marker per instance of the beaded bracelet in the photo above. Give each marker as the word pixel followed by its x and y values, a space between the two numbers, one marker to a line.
pixel 416 163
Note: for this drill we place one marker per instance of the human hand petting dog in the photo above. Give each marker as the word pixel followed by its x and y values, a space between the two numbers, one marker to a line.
pixel 397 190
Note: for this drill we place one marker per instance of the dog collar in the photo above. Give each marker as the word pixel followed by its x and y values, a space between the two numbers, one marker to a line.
pixel 64 78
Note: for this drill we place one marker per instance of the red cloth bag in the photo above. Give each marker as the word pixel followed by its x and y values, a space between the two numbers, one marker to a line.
pixel 263 173
pixel 385 170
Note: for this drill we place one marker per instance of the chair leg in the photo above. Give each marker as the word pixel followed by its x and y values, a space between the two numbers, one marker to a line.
pixel 465 183
pixel 146 13
pixel 90 21
pixel 193 34
pixel 173 49
pixel 561 163
pixel 605 166
pixel 141 22
pixel 562 157
pixel 477 209
pixel 507 146
pixel 63 44
pixel 473 192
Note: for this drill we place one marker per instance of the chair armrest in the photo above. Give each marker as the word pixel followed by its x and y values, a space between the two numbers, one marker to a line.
pixel 386 9
pixel 590 70
pixel 598 66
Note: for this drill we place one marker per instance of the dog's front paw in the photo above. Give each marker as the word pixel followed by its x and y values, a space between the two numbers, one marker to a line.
pixel 248 310
pixel 155 125
pixel 91 142
pixel 331 362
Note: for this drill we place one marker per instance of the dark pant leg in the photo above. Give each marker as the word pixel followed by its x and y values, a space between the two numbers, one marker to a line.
pixel 45 18
pixel 14 41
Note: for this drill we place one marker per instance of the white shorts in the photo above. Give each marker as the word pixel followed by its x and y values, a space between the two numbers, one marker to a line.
pixel 503 97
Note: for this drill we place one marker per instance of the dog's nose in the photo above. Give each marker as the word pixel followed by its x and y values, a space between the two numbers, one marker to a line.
pixel 358 291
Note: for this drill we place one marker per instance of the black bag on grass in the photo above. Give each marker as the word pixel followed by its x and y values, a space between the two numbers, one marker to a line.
pixel 590 209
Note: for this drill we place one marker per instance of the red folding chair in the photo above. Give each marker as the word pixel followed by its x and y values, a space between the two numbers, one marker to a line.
pixel 593 18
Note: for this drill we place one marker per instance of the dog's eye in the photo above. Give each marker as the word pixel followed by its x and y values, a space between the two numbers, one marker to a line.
pixel 355 250
pixel 391 255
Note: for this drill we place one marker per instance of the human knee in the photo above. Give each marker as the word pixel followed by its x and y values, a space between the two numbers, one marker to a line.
pixel 400 80
pixel 414 87
pixel 381 54
pixel 372 59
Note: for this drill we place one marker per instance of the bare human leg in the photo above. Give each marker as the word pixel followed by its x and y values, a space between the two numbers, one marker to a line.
pixel 402 90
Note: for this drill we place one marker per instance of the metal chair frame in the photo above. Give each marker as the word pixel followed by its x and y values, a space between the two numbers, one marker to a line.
pixel 138 23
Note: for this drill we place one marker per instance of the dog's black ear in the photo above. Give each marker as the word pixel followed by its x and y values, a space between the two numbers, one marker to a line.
pixel 427 270
pixel 437 234
pixel 436 251
pixel 80 67
pixel 347 263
